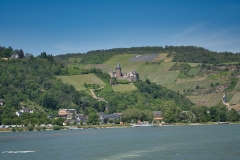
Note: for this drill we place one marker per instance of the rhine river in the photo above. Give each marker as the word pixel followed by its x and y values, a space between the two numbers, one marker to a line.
pixel 141 143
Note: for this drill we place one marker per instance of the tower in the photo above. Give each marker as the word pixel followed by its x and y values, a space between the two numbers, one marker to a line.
pixel 135 75
pixel 118 71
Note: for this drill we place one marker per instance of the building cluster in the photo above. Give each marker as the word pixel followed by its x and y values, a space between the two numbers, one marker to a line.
pixel 131 76
pixel 23 110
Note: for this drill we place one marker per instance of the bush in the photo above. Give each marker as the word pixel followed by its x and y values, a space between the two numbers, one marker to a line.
pixel 57 127
pixel 38 128
pixel 13 129
pixel 30 128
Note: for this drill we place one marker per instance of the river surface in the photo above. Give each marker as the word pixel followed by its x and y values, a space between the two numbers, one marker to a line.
pixel 141 143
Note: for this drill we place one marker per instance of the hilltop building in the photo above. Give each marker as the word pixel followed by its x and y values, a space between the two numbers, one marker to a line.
pixel 131 76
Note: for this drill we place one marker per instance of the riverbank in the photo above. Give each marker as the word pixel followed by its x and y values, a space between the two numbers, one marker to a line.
pixel 25 129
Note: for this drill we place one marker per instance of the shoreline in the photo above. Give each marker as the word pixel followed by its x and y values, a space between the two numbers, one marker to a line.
pixel 109 127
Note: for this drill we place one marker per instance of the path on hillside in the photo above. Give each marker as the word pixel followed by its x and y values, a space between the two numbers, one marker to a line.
pixel 92 93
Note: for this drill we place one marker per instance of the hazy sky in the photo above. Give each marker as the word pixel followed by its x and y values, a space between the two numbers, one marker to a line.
pixel 78 26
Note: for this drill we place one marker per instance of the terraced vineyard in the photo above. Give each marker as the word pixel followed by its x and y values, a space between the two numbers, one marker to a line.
pixel 147 69
pixel 164 78
pixel 211 99
pixel 180 87
pixel 235 99
pixel 78 80
pixel 194 71
pixel 237 87
pixel 123 58
pixel 124 87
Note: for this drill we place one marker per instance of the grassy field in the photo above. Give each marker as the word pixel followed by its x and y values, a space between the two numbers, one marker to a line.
pixel 219 75
pixel 75 62
pixel 195 64
pixel 194 71
pixel 186 80
pixel 211 99
pixel 78 80
pixel 124 87
pixel 160 57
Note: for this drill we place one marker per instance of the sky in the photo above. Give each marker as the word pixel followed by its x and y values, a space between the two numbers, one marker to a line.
pixel 78 26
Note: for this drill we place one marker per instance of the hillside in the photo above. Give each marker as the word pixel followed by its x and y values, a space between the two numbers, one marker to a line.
pixel 167 82
pixel 192 71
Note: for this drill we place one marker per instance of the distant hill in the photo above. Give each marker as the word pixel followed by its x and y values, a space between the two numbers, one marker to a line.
pixel 192 71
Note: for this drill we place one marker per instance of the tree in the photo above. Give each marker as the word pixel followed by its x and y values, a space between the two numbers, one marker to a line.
pixel 233 115
pixel 200 113
pixel 169 116
pixel 21 54
pixel 93 118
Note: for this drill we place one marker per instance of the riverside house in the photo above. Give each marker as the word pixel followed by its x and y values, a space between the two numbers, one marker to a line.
pixel 67 113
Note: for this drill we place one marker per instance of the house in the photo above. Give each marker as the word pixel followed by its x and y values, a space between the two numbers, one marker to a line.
pixel 1 102
pixel 15 56
pixel 112 117
pixel 157 115
pixel 23 110
pixel 67 113
pixel 81 118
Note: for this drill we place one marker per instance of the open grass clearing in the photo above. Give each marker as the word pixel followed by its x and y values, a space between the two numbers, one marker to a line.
pixel 195 64
pixel 160 57
pixel 168 59
pixel 78 80
pixel 186 80
pixel 218 76
pixel 124 87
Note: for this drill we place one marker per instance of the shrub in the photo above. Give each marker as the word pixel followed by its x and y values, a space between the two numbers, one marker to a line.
pixel 57 127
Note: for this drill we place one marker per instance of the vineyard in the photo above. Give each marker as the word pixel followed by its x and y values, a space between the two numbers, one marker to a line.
pixel 235 99
pixel 124 87
pixel 194 71
pixel 237 87
pixel 164 78
pixel 147 69
pixel 211 99
pixel 78 80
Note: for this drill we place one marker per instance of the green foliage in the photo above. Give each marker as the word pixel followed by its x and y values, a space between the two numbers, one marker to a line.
pixel 169 116
pixel 93 118
pixel 200 55
pixel 56 127
pixel 136 114
pixel 233 115
pixel 200 114
pixel 183 67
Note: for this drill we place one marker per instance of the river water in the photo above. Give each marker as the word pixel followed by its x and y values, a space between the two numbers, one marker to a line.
pixel 141 143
